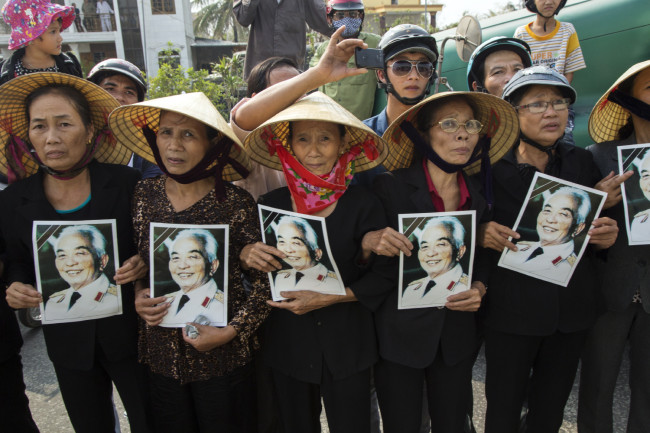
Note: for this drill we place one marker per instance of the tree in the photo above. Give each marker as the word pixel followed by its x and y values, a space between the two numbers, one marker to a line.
pixel 216 20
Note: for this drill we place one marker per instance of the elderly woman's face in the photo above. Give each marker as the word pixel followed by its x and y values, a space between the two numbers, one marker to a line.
pixel 187 264
pixel 291 242
pixel 555 220
pixel 182 142
pixel 436 253
pixel 453 147
pixel 316 145
pixel 641 88
pixel 57 131
pixel 75 260
pixel 547 127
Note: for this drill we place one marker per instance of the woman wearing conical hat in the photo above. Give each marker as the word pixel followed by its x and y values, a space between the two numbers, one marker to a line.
pixel 434 147
pixel 203 383
pixel 56 141
pixel 323 345
pixel 620 117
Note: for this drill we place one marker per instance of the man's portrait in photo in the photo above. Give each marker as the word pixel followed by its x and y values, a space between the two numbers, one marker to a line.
pixel 76 265
pixel 636 191
pixel 308 264
pixel 189 266
pixel 554 225
pixel 443 264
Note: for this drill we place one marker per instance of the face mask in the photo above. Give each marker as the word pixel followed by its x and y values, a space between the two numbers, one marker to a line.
pixel 352 26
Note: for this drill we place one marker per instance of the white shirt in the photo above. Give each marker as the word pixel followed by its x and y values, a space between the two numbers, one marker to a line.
pixel 206 300
pixel 98 299
pixel 640 229
pixel 104 8
pixel 555 262
pixel 451 282
pixel 317 279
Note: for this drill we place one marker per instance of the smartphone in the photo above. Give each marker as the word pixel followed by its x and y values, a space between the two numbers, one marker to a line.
pixel 370 58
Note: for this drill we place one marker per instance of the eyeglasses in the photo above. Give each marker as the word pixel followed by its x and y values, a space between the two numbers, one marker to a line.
pixel 349 14
pixel 452 125
pixel 542 106
pixel 404 67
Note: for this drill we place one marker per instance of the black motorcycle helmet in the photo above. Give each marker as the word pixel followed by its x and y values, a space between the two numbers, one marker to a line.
pixel 405 38
pixel 530 5
pixel 109 67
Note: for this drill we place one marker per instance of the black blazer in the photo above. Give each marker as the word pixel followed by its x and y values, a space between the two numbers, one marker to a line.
pixel 411 337
pixel 73 345
pixel 627 268
pixel 522 305
pixel 341 335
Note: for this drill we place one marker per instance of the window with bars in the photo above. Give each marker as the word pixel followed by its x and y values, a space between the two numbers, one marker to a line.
pixel 163 7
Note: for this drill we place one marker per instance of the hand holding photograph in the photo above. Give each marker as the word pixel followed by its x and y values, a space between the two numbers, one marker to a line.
pixel 554 224
pixel 308 262
pixel 636 191
pixel 188 267
pixel 443 264
pixel 75 268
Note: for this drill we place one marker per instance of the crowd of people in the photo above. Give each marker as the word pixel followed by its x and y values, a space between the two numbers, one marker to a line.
pixel 177 295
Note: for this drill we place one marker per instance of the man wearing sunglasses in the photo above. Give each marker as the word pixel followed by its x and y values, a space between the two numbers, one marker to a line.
pixel 410 55
pixel 357 93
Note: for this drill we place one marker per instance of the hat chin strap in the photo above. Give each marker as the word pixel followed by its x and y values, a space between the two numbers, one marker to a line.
pixel 547 149
pixel 388 86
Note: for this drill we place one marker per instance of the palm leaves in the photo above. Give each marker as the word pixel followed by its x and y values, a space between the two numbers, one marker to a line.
pixel 215 20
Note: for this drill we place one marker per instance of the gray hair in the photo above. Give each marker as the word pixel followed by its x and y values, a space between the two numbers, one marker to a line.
pixel 582 199
pixel 90 233
pixel 204 238
pixel 452 225
pixel 309 236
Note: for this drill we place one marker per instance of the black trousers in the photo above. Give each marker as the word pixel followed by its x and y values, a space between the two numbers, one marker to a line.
pixel 15 415
pixel 222 404
pixel 601 363
pixel 400 393
pixel 510 359
pixel 88 395
pixel 347 403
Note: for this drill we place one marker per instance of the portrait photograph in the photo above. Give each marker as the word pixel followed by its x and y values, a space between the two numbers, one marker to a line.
pixel 553 223
pixel 308 264
pixel 636 191
pixel 189 267
pixel 75 270
pixel 441 262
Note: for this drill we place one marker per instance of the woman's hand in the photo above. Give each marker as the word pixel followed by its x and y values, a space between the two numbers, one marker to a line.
pixel 210 337
pixel 469 300
pixel 152 310
pixel 304 301
pixel 495 236
pixel 603 232
pixel 385 242
pixel 21 295
pixel 133 269
pixel 261 257
pixel 611 184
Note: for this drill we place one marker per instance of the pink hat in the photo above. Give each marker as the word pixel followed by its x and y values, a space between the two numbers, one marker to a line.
pixel 30 18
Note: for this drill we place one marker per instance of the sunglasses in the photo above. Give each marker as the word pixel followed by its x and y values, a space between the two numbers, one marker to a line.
pixel 542 106
pixel 349 14
pixel 404 67
pixel 452 125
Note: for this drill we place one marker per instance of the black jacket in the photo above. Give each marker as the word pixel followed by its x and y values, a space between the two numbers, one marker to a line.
pixel 628 266
pixel 522 305
pixel 73 345
pixel 66 63
pixel 412 337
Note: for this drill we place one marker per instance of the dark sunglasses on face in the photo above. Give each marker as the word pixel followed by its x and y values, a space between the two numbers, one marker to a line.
pixel 404 67
pixel 452 125
pixel 349 14
pixel 542 106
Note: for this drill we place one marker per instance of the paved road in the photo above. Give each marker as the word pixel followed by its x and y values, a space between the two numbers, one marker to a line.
pixel 50 415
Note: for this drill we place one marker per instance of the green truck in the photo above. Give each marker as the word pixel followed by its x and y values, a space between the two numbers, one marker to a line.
pixel 614 35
